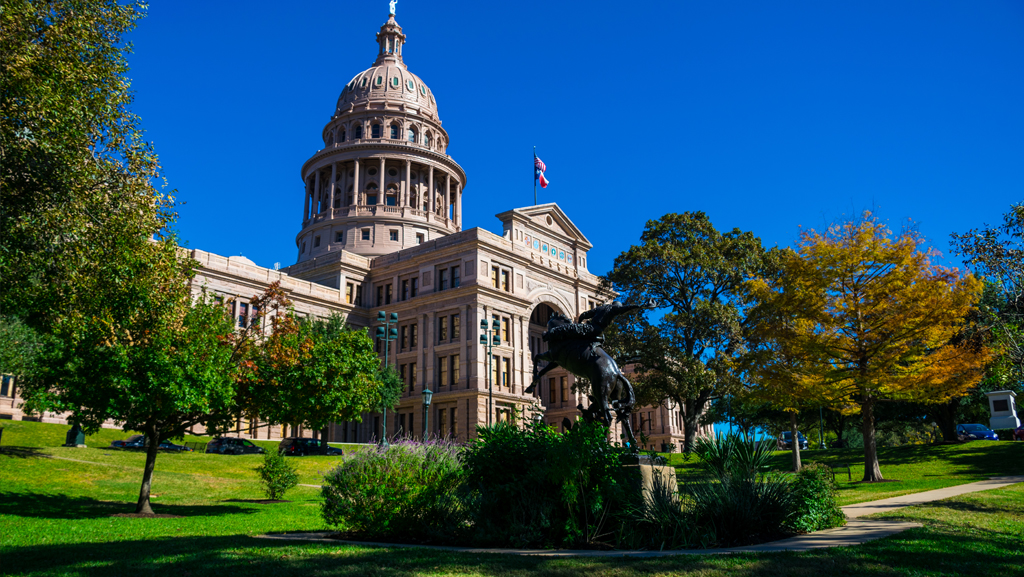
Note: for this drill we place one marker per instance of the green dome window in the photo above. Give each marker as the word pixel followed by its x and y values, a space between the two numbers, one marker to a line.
pixel 394 82
pixel 423 90
pixel 410 85
pixel 380 80
pixel 363 83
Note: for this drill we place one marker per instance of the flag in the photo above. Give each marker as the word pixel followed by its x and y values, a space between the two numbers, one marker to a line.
pixel 538 172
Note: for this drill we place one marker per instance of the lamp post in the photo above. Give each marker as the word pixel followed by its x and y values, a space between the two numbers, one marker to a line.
pixel 427 394
pixel 388 334
pixel 490 338
pixel 821 429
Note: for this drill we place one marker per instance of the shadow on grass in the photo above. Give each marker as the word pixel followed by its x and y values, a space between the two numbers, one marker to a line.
pixel 923 552
pixel 48 506
pixel 22 452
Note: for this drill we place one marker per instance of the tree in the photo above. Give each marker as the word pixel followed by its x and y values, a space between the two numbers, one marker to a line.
pixel 698 275
pixel 311 373
pixel 870 318
pixel 76 177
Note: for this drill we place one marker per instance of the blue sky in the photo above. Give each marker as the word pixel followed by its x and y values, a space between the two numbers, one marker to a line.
pixel 766 116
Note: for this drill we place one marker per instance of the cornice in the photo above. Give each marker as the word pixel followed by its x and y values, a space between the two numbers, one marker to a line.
pixel 383 147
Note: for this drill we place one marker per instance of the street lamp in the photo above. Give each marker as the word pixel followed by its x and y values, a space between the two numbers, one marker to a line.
pixel 490 339
pixel 427 394
pixel 388 334
pixel 821 429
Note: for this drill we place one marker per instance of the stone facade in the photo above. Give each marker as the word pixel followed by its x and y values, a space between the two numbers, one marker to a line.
pixel 382 230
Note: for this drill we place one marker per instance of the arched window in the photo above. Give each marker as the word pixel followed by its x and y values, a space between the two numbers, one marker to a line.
pixel 372 186
pixel 359 131
pixel 412 135
pixel 375 131
pixel 427 140
pixel 341 136
pixel 394 131
pixel 392 197
pixel 330 138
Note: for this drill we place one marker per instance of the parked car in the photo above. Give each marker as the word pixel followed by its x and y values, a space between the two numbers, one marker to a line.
pixel 138 443
pixel 974 431
pixel 786 441
pixel 1018 435
pixel 233 446
pixel 302 446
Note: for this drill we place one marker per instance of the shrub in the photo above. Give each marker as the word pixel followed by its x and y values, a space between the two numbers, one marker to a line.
pixel 737 503
pixel 534 487
pixel 661 521
pixel 814 500
pixel 409 489
pixel 1005 434
pixel 276 475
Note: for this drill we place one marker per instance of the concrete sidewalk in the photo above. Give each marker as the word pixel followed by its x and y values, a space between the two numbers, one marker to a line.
pixel 856 531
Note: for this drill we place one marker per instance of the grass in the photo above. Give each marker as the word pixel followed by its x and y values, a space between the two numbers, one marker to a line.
pixel 55 520
pixel 911 469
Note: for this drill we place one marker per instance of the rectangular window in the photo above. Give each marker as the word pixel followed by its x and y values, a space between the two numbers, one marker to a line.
pixel 456 328
pixel 365 234
pixel 505 322
pixel 413 340
pixel 303 246
pixel 506 372
pixel 565 389
pixel 419 239
pixel 401 373
pixel 442 422
pixel 442 371
pixel 412 379
pixel 455 425
pixel 456 281
pixel 415 285
pixel 401 425
pixel 316 241
pixel 349 289
pixel 394 234
pixel 404 342
pixel 552 392
pixel 380 295
pixel 5 386
pixel 243 315
pixel 504 281
pixel 387 294
pixel 496 372
pixel 442 329
pixel 454 370
pixel 494 276
pixel 359 295
pixel 405 290
pixel 442 279
pixel 339 237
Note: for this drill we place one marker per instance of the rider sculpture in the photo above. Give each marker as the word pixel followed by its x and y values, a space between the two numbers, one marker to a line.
pixel 577 348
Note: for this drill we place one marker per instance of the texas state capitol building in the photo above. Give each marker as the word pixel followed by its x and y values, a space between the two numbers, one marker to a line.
pixel 382 229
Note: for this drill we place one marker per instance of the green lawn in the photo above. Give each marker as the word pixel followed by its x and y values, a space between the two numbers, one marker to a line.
pixel 911 469
pixel 55 520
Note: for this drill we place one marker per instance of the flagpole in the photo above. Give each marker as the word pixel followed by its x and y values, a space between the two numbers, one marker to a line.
pixel 534 176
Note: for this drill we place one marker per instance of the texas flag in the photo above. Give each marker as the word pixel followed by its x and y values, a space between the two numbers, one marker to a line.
pixel 538 172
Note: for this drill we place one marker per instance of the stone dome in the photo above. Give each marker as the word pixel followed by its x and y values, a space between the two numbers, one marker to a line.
pixel 388 80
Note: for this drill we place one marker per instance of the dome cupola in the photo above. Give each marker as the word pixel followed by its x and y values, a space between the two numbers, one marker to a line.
pixel 383 180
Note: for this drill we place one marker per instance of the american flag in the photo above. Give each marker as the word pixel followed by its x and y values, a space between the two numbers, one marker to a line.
pixel 538 172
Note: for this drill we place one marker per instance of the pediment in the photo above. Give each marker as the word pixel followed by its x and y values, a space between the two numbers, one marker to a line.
pixel 546 219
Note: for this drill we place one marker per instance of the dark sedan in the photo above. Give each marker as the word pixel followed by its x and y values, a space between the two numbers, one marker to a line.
pixel 786 441
pixel 975 432
pixel 233 446
pixel 302 446
pixel 138 443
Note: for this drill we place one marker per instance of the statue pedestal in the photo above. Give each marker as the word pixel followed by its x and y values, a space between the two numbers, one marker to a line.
pixel 654 477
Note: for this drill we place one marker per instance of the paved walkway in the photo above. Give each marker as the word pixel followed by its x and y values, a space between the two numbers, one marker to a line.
pixel 855 532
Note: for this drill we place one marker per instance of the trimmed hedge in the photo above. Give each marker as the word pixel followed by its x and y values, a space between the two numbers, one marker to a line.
pixel 1005 434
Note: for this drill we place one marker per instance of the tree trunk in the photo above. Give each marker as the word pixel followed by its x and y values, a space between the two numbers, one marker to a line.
pixel 143 506
pixel 796 441
pixel 872 472
pixel 945 418
pixel 690 416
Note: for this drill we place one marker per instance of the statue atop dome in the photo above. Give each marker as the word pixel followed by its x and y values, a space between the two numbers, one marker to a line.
pixel 392 3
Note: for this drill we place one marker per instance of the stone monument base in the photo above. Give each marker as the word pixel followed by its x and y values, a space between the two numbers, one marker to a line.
pixel 654 477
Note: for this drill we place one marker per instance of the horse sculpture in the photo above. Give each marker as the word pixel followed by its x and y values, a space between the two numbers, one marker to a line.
pixel 577 348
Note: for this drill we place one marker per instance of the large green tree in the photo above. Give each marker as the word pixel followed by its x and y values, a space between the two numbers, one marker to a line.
pixel 698 275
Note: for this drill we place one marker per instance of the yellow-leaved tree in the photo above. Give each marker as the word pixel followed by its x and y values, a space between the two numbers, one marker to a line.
pixel 858 315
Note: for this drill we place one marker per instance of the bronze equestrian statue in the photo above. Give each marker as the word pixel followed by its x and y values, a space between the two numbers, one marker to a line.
pixel 577 348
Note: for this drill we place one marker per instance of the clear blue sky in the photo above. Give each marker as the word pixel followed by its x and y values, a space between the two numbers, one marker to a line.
pixel 768 116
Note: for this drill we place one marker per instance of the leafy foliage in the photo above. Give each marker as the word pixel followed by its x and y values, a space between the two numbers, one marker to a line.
pixel 409 489
pixel 814 496
pixel 535 487
pixel 738 503
pixel 691 354
pixel 277 475
pixel 856 316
